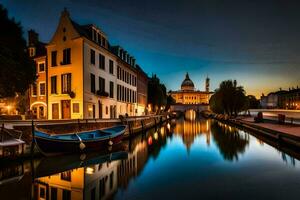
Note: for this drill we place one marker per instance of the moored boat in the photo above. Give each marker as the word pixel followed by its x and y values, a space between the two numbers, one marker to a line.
pixel 78 142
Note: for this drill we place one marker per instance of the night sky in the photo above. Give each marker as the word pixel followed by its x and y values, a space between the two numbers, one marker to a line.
pixel 255 42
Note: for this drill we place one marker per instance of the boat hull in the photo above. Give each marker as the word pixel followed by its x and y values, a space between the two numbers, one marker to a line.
pixel 54 147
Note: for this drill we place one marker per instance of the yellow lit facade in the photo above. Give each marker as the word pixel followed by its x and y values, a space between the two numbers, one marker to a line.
pixel 188 94
pixel 88 78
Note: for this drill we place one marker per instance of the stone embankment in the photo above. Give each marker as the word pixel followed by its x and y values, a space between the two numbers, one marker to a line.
pixel 281 132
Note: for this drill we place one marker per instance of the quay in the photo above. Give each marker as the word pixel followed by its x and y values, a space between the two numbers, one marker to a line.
pixel 135 126
pixel 285 133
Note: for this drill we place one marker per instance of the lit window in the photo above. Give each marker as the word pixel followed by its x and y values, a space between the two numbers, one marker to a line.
pixel 41 67
pixel 42 89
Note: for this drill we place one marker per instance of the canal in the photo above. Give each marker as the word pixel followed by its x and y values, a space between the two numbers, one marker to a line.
pixel 201 159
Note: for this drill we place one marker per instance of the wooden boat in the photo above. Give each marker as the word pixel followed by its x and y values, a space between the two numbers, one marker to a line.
pixel 78 142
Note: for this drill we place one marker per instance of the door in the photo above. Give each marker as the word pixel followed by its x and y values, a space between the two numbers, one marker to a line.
pixel 65 109
pixel 55 112
pixel 41 112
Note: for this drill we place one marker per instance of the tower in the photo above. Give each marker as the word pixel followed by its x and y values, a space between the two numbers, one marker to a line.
pixel 207 84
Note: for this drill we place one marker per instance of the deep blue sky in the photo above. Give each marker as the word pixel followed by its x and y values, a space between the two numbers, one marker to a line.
pixel 255 42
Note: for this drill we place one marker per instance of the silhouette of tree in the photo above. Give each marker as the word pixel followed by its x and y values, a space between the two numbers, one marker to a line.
pixel 157 95
pixel 252 102
pixel 17 70
pixel 229 98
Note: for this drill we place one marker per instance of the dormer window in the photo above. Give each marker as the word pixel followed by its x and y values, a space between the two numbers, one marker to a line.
pixel 31 51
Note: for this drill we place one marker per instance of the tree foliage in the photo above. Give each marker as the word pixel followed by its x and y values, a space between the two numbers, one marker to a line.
pixel 228 98
pixel 17 70
pixel 157 95
pixel 252 102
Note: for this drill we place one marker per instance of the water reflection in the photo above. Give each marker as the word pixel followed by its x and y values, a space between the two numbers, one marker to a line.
pixel 231 142
pixel 188 130
pixel 101 181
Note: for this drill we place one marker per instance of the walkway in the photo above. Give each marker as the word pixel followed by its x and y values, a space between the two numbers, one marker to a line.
pixel 290 129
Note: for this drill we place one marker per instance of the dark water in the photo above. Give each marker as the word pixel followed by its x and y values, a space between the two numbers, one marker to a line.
pixel 199 159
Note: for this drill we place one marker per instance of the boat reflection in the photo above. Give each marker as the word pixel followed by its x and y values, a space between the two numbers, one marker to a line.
pixel 89 180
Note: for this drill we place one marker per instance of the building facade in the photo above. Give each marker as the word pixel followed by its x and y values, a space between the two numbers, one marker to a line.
pixel 85 76
pixel 38 94
pixel 283 99
pixel 189 95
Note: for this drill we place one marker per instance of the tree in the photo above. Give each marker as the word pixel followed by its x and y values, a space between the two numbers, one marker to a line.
pixel 157 95
pixel 17 70
pixel 170 101
pixel 253 103
pixel 229 98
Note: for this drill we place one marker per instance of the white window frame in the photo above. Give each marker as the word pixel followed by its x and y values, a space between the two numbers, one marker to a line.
pixel 39 67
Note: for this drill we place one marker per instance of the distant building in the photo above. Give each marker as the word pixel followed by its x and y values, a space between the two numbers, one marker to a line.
pixel 290 99
pixel 282 99
pixel 189 95
pixel 38 92
pixel 142 91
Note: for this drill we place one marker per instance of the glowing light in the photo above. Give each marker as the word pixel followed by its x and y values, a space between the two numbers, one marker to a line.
pixel 168 126
pixel 150 140
pixel 89 170
pixel 156 136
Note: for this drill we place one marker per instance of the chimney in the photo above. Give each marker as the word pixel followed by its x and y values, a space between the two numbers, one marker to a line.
pixel 33 38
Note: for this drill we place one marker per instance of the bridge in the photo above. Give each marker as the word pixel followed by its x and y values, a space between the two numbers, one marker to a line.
pixel 186 107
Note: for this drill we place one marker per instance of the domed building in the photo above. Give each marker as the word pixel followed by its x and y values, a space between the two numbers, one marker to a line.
pixel 187 84
pixel 189 95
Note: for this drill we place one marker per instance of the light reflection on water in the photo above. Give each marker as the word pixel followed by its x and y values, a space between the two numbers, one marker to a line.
pixel 182 160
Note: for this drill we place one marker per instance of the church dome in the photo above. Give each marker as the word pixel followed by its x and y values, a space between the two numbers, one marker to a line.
pixel 187 83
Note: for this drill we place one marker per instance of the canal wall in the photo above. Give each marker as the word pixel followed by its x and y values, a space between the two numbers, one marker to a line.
pixel 278 136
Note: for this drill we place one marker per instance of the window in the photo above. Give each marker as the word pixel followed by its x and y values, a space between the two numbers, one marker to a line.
pixel 42 193
pixel 66 56
pixel 66 194
pixel 118 92
pixel 65 83
pixel 101 84
pixel 53 193
pixel 111 182
pixel 53 84
pixel 34 89
pixel 92 56
pixel 31 51
pixel 111 89
pixel 54 58
pixel 66 176
pixel 106 110
pixel 101 62
pixel 42 89
pixel 93 89
pixel 118 72
pixel 75 107
pixel 101 188
pixel 41 67
pixel 111 66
